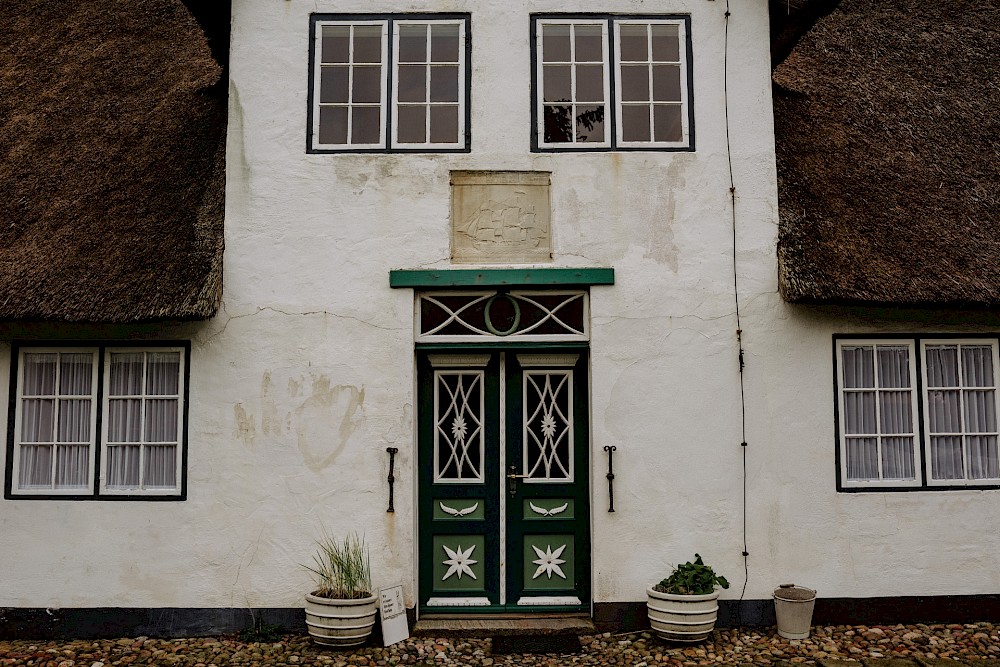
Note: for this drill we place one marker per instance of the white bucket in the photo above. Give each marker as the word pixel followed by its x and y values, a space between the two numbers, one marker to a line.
pixel 793 606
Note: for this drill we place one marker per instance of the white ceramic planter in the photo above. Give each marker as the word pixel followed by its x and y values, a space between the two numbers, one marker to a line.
pixel 340 623
pixel 682 618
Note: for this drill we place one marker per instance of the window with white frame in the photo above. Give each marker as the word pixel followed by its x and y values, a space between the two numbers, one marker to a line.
pixel 917 412
pixel 97 421
pixel 612 83
pixel 389 82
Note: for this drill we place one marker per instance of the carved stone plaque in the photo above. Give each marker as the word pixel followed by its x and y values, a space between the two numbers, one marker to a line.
pixel 500 217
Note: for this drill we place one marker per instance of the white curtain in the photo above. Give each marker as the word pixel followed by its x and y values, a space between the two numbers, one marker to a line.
pixel 59 418
pixel 878 416
pixel 143 409
pixel 961 406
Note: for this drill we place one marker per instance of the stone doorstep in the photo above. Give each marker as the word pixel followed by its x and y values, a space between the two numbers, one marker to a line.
pixel 480 626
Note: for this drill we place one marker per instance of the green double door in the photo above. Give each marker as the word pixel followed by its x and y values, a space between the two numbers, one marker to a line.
pixel 503 483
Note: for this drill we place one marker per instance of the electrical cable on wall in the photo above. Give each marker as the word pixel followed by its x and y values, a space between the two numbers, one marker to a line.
pixel 736 294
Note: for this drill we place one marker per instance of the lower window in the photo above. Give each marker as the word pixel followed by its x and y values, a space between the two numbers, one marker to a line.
pixel 98 421
pixel 917 412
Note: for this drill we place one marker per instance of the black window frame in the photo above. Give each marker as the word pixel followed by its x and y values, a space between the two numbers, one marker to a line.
pixel 390 18
pixel 612 103
pixel 102 346
pixel 922 467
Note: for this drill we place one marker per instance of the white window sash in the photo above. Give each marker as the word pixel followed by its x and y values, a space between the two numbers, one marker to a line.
pixel 462 77
pixel 959 343
pixel 682 51
pixel 609 104
pixel 879 436
pixel 317 71
pixel 144 397
pixel 56 396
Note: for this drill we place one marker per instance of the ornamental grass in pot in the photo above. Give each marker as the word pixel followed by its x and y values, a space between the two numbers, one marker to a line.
pixel 341 611
pixel 684 606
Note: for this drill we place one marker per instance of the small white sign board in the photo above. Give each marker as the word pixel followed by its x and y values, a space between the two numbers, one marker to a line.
pixel 393 612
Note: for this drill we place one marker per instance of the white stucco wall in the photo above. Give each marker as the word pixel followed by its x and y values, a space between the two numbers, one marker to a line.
pixel 306 375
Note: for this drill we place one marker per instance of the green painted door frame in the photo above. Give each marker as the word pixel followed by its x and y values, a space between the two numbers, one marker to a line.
pixel 488 542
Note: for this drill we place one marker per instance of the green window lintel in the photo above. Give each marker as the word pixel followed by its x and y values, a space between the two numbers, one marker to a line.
pixel 500 277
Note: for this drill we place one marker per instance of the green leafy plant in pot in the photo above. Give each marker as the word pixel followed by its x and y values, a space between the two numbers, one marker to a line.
pixel 684 606
pixel 341 610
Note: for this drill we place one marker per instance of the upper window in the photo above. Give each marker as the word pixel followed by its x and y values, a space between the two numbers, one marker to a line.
pixel 389 83
pixel 918 412
pixel 612 83
pixel 97 421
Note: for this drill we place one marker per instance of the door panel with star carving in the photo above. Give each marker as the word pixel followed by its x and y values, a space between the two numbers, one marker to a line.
pixel 503 486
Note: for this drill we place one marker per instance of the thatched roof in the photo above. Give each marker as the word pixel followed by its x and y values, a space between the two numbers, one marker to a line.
pixel 888 149
pixel 112 170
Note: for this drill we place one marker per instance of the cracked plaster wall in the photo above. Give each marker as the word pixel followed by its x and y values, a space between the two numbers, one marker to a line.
pixel 306 375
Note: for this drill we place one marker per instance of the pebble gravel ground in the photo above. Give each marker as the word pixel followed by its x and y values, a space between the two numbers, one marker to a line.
pixel 874 646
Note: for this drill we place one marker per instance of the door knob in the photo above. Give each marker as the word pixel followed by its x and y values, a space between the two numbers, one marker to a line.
pixel 512 478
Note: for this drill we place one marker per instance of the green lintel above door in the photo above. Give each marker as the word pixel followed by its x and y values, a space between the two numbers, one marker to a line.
pixel 501 277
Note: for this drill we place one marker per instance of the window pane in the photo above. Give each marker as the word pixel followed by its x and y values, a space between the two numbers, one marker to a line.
pixel 666 83
pixel 163 374
pixel 123 467
pixel 859 412
pixel 980 411
pixel 72 465
pixel 336 43
pixel 74 420
pixel 556 83
pixel 590 124
pixel 444 43
pixel 666 43
pixel 897 459
pixel 893 366
pixel 558 124
pixel 366 125
pixel 859 367
pixel 37 420
pixel 333 125
pixel 413 43
pixel 412 121
pixel 635 123
pixel 634 42
pixel 36 467
pixel 412 83
pixel 895 412
pixel 126 374
pixel 589 83
pixel 983 460
pixel 635 84
pixel 555 43
pixel 76 374
pixel 942 407
pixel 862 459
pixel 367 85
pixel 367 43
pixel 444 124
pixel 942 366
pixel 124 420
pixel 977 365
pixel 334 84
pixel 160 467
pixel 161 420
pixel 39 374
pixel 667 123
pixel 444 84
pixel 589 43
pixel 946 457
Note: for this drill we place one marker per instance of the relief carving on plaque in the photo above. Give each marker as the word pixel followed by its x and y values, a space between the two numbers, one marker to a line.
pixel 500 217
